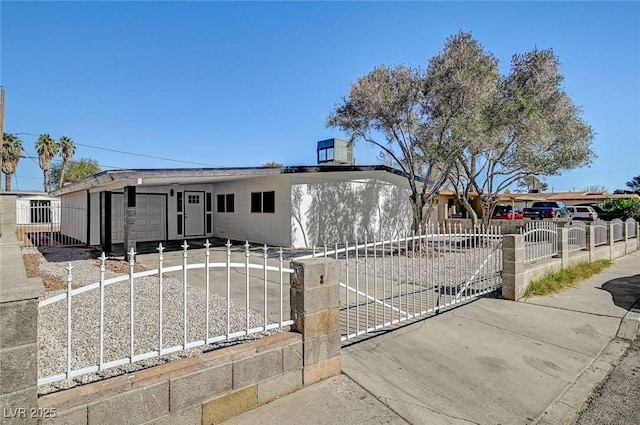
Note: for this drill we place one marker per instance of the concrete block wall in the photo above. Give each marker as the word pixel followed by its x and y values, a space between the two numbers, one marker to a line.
pixel 18 336
pixel 516 275
pixel 205 389
pixel 8 212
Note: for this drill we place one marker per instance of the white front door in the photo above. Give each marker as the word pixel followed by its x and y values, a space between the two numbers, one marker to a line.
pixel 193 213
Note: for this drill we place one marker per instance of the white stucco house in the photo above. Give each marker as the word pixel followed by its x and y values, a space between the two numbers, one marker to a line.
pixel 287 207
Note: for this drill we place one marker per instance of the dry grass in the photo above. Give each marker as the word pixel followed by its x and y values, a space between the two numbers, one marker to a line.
pixel 566 278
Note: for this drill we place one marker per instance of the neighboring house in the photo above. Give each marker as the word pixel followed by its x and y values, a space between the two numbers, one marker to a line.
pixel 288 206
pixel 524 200
pixel 32 211
pixel 450 207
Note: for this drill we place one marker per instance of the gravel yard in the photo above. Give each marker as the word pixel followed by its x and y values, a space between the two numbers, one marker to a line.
pixel 52 319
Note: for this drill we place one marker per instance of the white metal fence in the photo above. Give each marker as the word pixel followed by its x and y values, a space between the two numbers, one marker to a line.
pixel 391 281
pixel 600 229
pixel 577 236
pixel 631 228
pixel 39 223
pixel 616 228
pixel 540 240
pixel 154 315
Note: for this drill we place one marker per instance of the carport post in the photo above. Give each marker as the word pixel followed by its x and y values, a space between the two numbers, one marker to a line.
pixel 314 300
pixel 129 218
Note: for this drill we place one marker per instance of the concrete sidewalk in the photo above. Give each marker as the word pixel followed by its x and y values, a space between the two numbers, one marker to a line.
pixel 487 362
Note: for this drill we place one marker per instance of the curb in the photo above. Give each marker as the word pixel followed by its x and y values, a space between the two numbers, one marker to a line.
pixel 630 324
pixel 566 408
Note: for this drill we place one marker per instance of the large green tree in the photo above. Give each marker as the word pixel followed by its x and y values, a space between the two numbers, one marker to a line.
pixel 67 149
pixel 75 170
pixel 11 154
pixel 530 127
pixel 634 184
pixel 47 148
pixel 389 108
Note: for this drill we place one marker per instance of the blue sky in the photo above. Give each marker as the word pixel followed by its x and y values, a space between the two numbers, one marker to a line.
pixel 242 83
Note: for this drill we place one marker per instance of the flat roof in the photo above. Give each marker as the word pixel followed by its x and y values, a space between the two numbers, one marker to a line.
pixel 159 176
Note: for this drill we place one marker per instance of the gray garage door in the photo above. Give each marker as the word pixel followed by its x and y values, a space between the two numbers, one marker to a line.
pixel 151 217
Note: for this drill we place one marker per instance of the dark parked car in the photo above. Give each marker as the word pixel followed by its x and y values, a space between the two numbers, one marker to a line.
pixel 602 213
pixel 546 209
pixel 504 212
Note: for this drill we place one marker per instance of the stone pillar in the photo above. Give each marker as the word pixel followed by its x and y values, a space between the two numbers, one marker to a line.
pixel 18 336
pixel 591 241
pixel 513 275
pixel 129 218
pixel 442 213
pixel 610 240
pixel 563 246
pixel 314 299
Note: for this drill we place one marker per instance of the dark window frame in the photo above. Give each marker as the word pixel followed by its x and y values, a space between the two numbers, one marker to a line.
pixel 226 203
pixel 263 202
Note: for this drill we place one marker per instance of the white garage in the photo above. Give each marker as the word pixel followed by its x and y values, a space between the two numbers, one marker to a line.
pixel 151 217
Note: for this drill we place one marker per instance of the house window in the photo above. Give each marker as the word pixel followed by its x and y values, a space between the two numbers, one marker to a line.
pixel 193 199
pixel 179 215
pixel 263 202
pixel 40 211
pixel 225 203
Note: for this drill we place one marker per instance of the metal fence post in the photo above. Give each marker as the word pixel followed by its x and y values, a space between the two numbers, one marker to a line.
pixel 513 274
pixel 315 309
pixel 18 336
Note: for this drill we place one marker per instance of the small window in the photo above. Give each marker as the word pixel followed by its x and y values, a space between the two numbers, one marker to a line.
pixel 179 201
pixel 263 202
pixel 230 202
pixel 225 203
pixel 256 202
pixel 269 202
pixel 193 199
pixel 208 202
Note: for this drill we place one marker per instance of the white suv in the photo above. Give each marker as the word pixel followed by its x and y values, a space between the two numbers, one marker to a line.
pixel 582 213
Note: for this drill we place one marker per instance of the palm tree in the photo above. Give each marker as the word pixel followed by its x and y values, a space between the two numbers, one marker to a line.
pixel 67 149
pixel 11 154
pixel 47 149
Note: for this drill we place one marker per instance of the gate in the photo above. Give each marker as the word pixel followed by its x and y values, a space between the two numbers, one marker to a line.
pixel 391 281
pixel 46 223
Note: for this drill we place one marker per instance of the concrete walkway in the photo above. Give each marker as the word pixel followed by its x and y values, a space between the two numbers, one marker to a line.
pixel 488 362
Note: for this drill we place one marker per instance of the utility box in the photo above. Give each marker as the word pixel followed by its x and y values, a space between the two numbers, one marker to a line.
pixel 335 152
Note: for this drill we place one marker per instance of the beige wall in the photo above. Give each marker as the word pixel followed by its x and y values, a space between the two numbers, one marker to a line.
pixel 328 211
pixel 270 228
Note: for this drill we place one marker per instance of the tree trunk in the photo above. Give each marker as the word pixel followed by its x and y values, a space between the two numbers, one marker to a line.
pixel 7 182
pixel 62 170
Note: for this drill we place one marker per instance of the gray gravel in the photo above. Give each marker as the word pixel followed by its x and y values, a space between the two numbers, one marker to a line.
pixel 52 321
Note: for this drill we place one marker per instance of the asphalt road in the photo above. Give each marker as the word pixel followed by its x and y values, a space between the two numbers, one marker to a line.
pixel 619 399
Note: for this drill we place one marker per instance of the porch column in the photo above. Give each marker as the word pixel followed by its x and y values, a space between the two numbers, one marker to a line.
pixel 106 220
pixel 129 218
